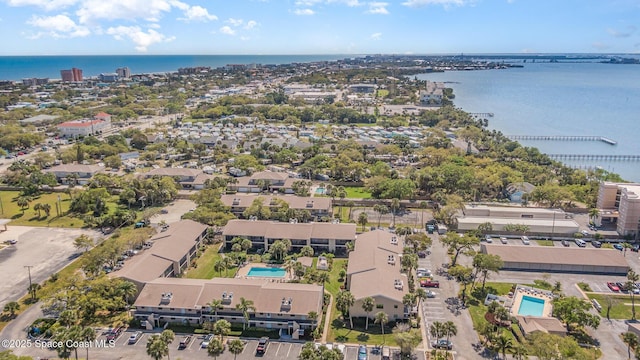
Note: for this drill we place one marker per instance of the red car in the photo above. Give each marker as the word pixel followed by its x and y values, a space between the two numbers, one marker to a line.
pixel 430 283
pixel 613 286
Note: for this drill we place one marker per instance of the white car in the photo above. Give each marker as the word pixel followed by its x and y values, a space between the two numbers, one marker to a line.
pixel 488 239
pixel 525 240
pixel 504 240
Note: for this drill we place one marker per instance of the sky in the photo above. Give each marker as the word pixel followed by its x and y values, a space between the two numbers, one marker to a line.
pixel 265 27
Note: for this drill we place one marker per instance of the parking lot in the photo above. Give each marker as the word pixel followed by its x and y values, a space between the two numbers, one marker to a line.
pixel 32 252
pixel 121 349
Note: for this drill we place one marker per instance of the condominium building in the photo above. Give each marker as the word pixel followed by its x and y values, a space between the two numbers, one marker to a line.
pixel 374 271
pixel 73 75
pixel 619 203
pixel 318 207
pixel 322 237
pixel 123 72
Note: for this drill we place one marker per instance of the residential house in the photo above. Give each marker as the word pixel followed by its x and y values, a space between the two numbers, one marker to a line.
pixel 74 173
pixel 549 325
pixel 322 237
pixel 264 180
pixel 186 178
pixel 374 271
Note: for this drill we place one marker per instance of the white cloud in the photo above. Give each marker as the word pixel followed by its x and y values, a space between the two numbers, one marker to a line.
pixel 245 38
pixel 150 10
pixel 378 8
pixel 376 36
pixel 251 24
pixel 235 22
pixel 445 3
pixel 197 13
pixel 58 26
pixel 350 3
pixel 227 30
pixel 304 12
pixel 628 31
pixel 153 26
pixel 45 4
pixel 139 37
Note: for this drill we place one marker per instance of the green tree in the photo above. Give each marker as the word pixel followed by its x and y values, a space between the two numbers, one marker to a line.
pixel 632 278
pixel 344 301
pixel 631 340
pixel 381 209
pixel 222 328
pixel 215 348
pixel 11 307
pixel 83 242
pixel 502 344
pixel 456 243
pixel 245 307
pixel 157 348
pixel 395 206
pixel 381 318
pixel 236 346
pixel 362 219
pixel 574 312
pixel 367 305
pixel 485 263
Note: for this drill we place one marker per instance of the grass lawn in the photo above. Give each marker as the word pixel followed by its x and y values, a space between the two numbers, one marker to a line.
pixel 545 242
pixel 621 307
pixel 477 309
pixel 204 265
pixel 357 192
pixel 383 93
pixel 29 217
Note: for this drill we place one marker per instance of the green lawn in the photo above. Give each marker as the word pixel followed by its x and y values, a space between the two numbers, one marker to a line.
pixel 383 93
pixel 357 192
pixel 204 265
pixel 621 307
pixel 545 242
pixel 477 309
pixel 29 217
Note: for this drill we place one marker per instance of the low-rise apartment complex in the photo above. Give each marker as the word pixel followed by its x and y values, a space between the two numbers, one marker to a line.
pixel 79 174
pixel 186 301
pixel 322 237
pixel 374 271
pixel 620 203
pixel 539 220
pixel 318 207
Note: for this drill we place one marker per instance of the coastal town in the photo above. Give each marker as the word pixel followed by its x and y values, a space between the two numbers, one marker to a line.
pixel 326 210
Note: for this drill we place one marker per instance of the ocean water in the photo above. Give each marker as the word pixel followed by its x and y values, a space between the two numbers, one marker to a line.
pixel 587 98
pixel 19 67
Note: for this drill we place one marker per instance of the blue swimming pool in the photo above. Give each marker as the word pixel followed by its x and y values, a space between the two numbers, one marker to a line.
pixel 266 272
pixel 320 191
pixel 531 306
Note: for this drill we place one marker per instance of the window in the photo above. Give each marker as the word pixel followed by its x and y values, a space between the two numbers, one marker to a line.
pixel 379 306
pixel 395 306
pixel 526 216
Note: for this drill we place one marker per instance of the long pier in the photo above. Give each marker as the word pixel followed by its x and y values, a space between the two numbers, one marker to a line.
pixel 563 138
pixel 482 115
pixel 594 157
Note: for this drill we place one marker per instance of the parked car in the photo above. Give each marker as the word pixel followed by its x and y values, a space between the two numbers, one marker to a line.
pixel 621 286
pixel 580 243
pixel 422 254
pixel 11 242
pixel 207 339
pixel 114 333
pixel 635 248
pixel 430 283
pixel 184 342
pixel 612 286
pixel 263 343
pixel 443 344
pixel 503 240
pixel 362 352
pixel 488 239
pixel 431 294
pixel 618 247
pixel 525 240
pixel 596 244
pixel 135 337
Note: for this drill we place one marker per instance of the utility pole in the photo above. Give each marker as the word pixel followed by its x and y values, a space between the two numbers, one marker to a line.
pixel 29 269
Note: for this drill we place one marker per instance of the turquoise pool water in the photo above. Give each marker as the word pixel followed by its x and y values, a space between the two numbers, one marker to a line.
pixel 267 272
pixel 531 306
pixel 320 191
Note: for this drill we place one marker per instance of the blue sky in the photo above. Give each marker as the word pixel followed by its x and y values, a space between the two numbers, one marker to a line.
pixel 70 27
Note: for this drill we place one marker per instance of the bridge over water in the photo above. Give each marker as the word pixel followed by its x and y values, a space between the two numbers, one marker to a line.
pixel 594 157
pixel 563 138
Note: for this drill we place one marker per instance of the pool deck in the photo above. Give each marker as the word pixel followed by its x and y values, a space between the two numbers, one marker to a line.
pixel 243 272
pixel 521 291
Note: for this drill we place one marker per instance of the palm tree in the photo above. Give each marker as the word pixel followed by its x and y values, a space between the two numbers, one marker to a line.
pixel 33 290
pixel 631 340
pixel 381 209
pixel 312 315
pixel 23 202
pixel 46 208
pixel 11 307
pixel 437 330
pixel 38 208
pixel 593 214
pixel 633 278
pixel 89 335
pixel 421 294
pixel 157 348
pixel 449 329
pixel 323 277
pixel 245 306
pixel 362 219
pixel 395 205
pixel 519 352
pixel 127 289
pixel 289 265
pixel 423 206
pixel 344 302
pixel 219 265
pixel 215 348
pixel 236 346
pixel 502 344
pixel 222 328
pixel 350 205
pixel 381 318
pixel 215 305
pixel 367 305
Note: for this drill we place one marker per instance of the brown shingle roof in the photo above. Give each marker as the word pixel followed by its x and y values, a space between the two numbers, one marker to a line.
pixel 281 230
pixel 173 172
pixel 557 255
pixel 75 168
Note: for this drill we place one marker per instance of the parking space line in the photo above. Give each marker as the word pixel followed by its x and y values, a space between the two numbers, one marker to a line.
pixel 289 350
pixel 279 345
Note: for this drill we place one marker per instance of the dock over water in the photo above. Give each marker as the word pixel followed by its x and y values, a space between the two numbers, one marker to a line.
pixel 563 138
pixel 594 157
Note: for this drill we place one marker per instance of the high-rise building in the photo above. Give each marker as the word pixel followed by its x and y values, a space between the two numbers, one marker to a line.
pixel 73 75
pixel 123 72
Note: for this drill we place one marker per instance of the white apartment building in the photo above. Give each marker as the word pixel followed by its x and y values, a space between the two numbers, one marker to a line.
pixel 620 203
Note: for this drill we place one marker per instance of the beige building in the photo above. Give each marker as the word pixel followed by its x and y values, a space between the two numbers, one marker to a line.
pixel 549 325
pixel 620 203
pixel 185 301
pixel 539 220
pixel 318 207
pixel 78 173
pixel 187 178
pixel 169 255
pixel 322 237
pixel 374 271
pixel 264 180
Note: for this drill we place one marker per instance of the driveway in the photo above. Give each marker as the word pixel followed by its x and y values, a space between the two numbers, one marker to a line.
pixel 44 250
pixel 175 210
